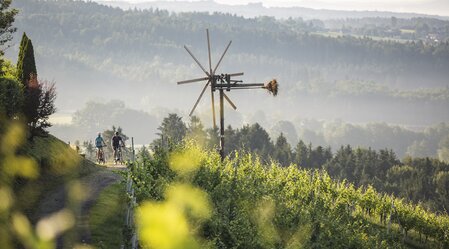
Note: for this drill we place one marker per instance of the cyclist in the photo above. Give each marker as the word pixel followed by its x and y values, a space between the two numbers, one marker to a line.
pixel 99 143
pixel 116 141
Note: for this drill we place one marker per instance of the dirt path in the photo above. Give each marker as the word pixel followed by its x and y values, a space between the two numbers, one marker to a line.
pixel 92 184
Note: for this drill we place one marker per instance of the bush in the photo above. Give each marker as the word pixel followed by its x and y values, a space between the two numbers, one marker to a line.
pixel 11 97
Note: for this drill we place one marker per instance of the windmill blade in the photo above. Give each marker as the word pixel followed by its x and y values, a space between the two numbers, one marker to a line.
pixel 213 108
pixel 197 62
pixel 236 74
pixel 192 80
pixel 221 58
pixel 229 101
pixel 199 98
pixel 208 48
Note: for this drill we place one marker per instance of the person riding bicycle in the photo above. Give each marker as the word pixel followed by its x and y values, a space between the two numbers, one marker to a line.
pixel 99 143
pixel 116 141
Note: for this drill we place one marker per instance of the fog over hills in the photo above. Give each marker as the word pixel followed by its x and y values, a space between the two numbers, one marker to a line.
pixel 305 9
pixel 134 59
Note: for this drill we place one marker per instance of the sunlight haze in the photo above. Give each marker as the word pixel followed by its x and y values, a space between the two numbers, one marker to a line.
pixel 431 7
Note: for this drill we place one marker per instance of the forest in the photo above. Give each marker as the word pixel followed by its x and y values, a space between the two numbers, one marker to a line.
pixel 337 89
pixel 94 48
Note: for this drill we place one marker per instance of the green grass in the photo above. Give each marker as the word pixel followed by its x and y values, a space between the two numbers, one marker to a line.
pixel 54 172
pixel 41 150
pixel 107 217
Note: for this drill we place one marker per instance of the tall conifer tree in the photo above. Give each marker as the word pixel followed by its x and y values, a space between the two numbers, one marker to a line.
pixel 23 43
pixel 27 75
pixel 26 65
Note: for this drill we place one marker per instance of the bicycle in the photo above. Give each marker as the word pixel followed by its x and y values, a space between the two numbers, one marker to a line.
pixel 118 155
pixel 100 155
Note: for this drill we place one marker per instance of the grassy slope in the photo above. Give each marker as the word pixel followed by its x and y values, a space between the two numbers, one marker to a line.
pixel 47 152
pixel 39 149
pixel 106 227
pixel 106 217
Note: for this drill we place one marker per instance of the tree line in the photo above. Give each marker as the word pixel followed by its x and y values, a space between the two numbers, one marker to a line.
pixel 415 179
pixel 431 141
pixel 108 32
pixel 428 30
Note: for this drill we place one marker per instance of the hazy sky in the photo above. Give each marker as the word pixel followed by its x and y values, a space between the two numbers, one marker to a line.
pixel 437 7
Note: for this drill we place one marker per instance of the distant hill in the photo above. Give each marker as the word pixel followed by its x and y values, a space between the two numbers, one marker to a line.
pixel 257 9
pixel 98 52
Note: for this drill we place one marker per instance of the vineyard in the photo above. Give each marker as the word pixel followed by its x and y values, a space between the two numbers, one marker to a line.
pixel 241 203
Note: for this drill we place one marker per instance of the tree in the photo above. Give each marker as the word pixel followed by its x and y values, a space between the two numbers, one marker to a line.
pixel 256 139
pixel 39 105
pixel 404 181
pixel 213 138
pixel 10 97
pixel 442 188
pixel 46 105
pixel 172 131
pixel 8 70
pixel 26 65
pixel 232 138
pixel 196 130
pixel 394 21
pixel 282 151
pixel 342 165
pixel 97 116
pixel 317 158
pixel 90 150
pixel 27 76
pixel 143 153
pixel 7 16
pixel 301 154
pixel 38 97
pixel 6 30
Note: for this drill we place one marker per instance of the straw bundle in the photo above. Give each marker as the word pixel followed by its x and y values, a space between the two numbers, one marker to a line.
pixel 272 87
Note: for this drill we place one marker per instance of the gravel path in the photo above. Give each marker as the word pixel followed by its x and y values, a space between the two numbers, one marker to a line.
pixel 93 184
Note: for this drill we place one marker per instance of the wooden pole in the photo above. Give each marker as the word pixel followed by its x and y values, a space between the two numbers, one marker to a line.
pixel 222 154
pixel 133 159
pixel 213 103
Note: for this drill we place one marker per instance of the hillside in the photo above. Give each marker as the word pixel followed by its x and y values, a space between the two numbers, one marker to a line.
pixel 243 203
pixel 60 196
pixel 257 9
pixel 58 164
pixel 97 52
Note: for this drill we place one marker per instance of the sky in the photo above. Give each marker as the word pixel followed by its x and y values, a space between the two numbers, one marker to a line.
pixel 434 7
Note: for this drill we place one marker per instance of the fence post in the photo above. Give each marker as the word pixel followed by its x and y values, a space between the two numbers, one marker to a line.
pixel 129 219
pixel 133 158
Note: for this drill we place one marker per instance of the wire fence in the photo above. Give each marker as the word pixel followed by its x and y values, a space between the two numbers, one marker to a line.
pixel 131 240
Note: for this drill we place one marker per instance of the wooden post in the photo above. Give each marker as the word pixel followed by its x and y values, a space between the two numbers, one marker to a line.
pixel 222 154
pixel 133 159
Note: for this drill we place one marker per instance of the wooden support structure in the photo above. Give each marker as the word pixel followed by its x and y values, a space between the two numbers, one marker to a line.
pixel 222 128
pixel 220 82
